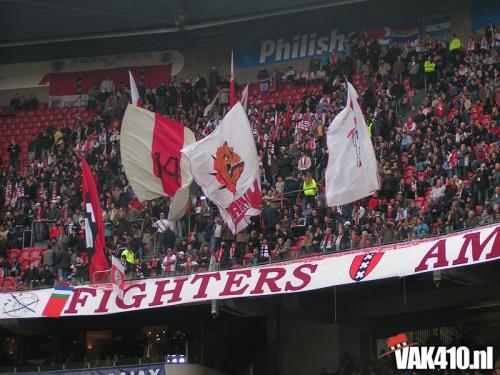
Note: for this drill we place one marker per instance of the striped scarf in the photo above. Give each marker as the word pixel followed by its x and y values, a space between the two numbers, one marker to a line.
pixel 9 190
pixel 54 190
pixel 19 190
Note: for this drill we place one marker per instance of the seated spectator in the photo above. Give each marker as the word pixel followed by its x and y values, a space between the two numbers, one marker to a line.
pixel 155 268
pixel 140 269
pixel 281 250
pixel 169 263
pixel 31 276
pixel 421 229
pixel 47 276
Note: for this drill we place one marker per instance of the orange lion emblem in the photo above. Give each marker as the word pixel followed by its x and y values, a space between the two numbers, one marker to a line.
pixel 228 166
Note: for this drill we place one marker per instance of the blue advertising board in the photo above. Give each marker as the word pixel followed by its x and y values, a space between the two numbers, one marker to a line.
pixel 296 46
pixel 150 369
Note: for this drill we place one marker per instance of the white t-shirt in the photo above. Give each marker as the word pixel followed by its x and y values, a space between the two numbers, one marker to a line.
pixel 218 230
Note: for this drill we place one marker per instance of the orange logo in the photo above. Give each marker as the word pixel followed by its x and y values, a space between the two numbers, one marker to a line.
pixel 228 167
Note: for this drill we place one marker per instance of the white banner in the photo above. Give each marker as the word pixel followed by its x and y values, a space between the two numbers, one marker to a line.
pixel 125 60
pixel 461 249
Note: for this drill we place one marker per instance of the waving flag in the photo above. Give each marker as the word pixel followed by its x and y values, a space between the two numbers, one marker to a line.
pixel 134 93
pixel 150 146
pixel 403 33
pixel 118 277
pixel 351 173
pixel 244 97
pixel 225 165
pixel 232 89
pixel 438 27
pixel 94 229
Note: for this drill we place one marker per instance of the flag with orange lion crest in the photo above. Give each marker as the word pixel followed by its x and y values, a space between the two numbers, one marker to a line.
pixel 226 166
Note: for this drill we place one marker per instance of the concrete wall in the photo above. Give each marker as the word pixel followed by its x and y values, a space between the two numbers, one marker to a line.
pixel 190 370
pixel 308 346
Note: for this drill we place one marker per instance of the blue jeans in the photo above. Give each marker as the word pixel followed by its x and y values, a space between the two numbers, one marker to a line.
pixel 61 274
pixel 215 243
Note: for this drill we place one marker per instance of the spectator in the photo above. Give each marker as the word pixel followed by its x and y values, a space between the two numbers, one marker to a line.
pixel 169 262
pixel 46 276
pixel 108 86
pixel 165 233
pixel 421 229
pixel 310 190
pixel 13 150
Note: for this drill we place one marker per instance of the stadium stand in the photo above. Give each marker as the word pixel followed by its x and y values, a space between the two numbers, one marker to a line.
pixel 436 137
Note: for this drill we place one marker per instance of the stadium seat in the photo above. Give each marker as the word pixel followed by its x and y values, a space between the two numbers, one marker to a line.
pixel 8 283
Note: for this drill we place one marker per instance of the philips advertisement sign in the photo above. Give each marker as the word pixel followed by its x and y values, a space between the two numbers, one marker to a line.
pixel 290 47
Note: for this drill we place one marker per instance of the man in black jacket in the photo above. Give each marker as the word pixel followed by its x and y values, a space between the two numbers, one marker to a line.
pixel 291 190
pixel 62 263
pixel 13 150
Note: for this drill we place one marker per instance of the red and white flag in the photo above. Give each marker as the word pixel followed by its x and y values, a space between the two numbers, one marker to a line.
pixel 244 97
pixel 134 93
pixel 94 228
pixel 232 89
pixel 351 173
pixel 275 130
pixel 117 277
pixel 150 146
pixel 226 166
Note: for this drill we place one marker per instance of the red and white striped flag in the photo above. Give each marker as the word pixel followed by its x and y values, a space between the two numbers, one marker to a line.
pixel 274 134
pixel 134 93
pixel 232 90
pixel 150 146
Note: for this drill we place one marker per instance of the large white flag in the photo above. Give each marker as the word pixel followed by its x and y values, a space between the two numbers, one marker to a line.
pixel 150 147
pixel 351 173
pixel 225 165
pixel 134 93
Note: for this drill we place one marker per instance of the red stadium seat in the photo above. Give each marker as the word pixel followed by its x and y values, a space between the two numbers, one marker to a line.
pixel 8 283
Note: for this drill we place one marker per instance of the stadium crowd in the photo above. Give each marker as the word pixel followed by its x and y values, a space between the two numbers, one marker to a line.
pixel 432 109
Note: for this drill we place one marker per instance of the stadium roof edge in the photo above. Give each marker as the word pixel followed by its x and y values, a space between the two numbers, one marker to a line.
pixel 183 27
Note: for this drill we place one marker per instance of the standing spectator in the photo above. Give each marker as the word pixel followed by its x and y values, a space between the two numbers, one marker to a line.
pixel 48 258
pixel 310 190
pixel 304 163
pixel 108 85
pixel 13 150
pixel 481 184
pixel 398 68
pixel 383 70
pixel 214 231
pixel 165 232
pixel 62 263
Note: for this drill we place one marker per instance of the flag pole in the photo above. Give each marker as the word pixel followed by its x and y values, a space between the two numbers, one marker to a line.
pixel 232 91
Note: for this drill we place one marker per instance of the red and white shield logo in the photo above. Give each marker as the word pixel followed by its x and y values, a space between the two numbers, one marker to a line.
pixel 363 264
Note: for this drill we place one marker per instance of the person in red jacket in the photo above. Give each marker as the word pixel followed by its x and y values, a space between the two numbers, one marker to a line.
pixel 56 230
